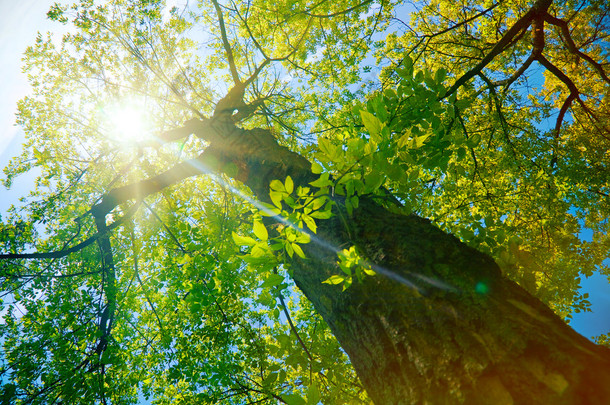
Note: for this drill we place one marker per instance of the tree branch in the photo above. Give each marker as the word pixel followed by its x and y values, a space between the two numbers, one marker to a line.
pixel 225 43
pixel 523 23
pixel 574 93
pixel 308 13
pixel 458 25
pixel 79 246
pixel 507 82
pixel 292 327
pixel 569 42
pixel 155 184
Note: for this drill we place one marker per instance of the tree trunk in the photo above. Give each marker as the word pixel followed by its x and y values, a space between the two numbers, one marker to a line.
pixel 439 323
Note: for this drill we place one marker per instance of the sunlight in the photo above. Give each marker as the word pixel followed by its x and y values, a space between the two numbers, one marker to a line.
pixel 127 121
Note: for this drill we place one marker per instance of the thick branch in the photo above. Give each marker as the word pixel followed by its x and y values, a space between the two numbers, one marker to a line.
pixel 567 37
pixel 562 112
pixel 153 185
pixel 523 23
pixel 574 93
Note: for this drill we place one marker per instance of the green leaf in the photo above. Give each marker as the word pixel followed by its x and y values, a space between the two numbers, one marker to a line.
pixel 269 210
pixel 369 271
pixel 272 281
pixel 289 185
pixel 297 249
pixel 259 250
pixel 303 237
pixel 418 141
pixel 310 222
pixel 316 168
pixel 463 104
pixel 269 379
pixel 440 75
pixel 293 399
pixel 243 240
pixel 289 249
pixel 276 198
pixel 260 230
pixel 334 279
pixel 313 394
pixel 373 181
pixel 328 149
pixel 321 214
pixel 474 141
pixel 322 181
pixel 277 186
pixel 372 124
pixel 319 202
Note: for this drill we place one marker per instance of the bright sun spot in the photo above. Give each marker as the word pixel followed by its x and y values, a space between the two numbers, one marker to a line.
pixel 127 122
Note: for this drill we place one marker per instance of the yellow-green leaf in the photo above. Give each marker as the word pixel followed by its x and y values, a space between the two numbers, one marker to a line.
pixel 243 240
pixel 260 230
pixel 321 214
pixel 309 221
pixel 316 168
pixel 277 185
pixel 369 271
pixel 336 279
pixel 372 124
pixel 276 198
pixel 272 281
pixel 297 249
pixel 289 185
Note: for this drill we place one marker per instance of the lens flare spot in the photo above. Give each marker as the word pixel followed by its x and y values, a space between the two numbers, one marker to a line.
pixel 481 288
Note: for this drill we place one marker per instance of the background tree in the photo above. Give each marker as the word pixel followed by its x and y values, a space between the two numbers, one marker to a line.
pixel 166 266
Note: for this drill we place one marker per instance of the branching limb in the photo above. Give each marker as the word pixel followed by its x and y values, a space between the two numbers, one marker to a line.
pixel 522 24
pixel 174 134
pixel 574 93
pixel 458 25
pixel 501 116
pixel 508 81
pixel 569 42
pixel 155 184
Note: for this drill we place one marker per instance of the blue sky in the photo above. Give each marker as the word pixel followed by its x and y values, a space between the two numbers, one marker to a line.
pixel 19 22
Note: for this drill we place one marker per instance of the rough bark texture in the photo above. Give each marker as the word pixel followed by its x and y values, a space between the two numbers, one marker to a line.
pixel 443 326
pixel 439 324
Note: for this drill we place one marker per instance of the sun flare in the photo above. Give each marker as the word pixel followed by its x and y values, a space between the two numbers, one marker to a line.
pixel 127 122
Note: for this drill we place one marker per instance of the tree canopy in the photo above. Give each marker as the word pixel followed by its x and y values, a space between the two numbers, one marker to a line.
pixel 153 259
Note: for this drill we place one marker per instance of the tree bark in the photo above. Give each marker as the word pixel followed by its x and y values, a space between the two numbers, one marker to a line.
pixel 442 325
pixel 439 323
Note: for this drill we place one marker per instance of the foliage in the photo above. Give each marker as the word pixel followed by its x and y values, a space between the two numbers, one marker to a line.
pixel 206 311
